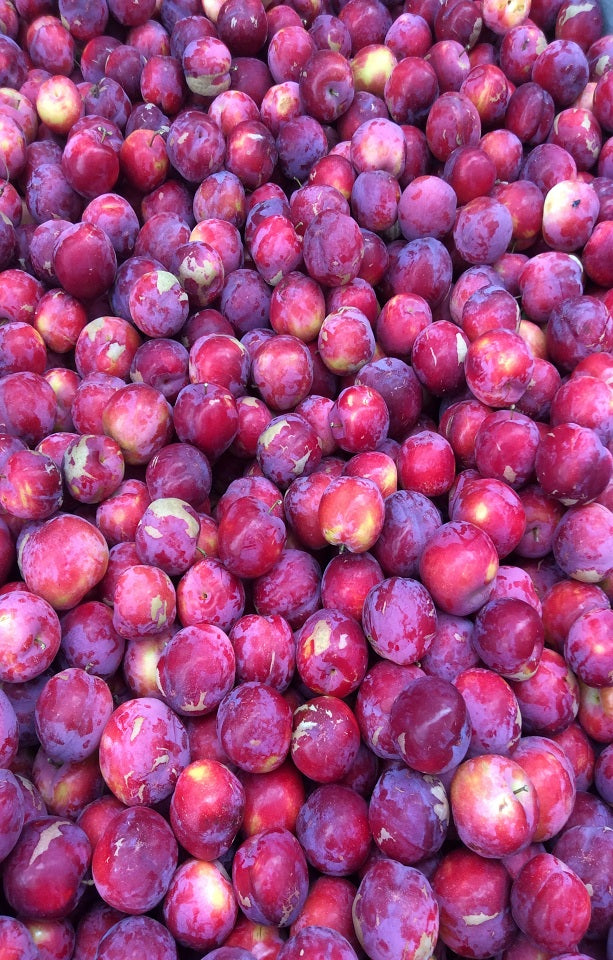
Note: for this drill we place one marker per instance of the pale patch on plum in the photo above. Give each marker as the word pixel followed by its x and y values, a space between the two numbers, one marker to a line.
pixel 320 641
pixel 481 513
pixel 303 727
pixel 77 459
pixel 202 274
pixel 572 11
pixel 206 86
pixel 270 764
pixel 424 949
pixel 115 350
pixel 165 281
pixel 356 922
pixel 271 432
pixel 159 761
pixel 158 610
pixel 174 507
pixel 587 576
pixel 366 529
pixel 215 893
pixel 474 919
pixel 441 809
pixel 136 728
pixel 197 773
pixel 300 464
pixel 94 326
pixel 153 532
pixel 195 707
pixel 48 835
pixel 577 260
pixel 289 908
pixel 461 347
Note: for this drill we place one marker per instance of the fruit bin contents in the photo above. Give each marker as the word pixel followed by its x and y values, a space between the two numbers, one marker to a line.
pixel 306 479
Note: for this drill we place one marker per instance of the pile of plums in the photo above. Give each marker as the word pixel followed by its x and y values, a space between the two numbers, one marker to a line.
pixel 306 480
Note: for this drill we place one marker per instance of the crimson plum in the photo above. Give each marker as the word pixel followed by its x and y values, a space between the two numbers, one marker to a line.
pixel 395 911
pixel 134 860
pixel 44 875
pixel 206 809
pixel 494 713
pixel 469 924
pixel 71 713
pixel 325 739
pixel 545 891
pixel 143 749
pixel 408 815
pixel 333 830
pixel 254 725
pixel 196 669
pixel 270 877
pixel 495 805
pixel 331 653
pixel 430 725
pixel 200 908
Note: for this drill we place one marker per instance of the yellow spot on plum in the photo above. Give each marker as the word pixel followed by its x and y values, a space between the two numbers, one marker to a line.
pixel 214 893
pixel 481 513
pixel 270 763
pixel 198 772
pixel 491 571
pixel 158 610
